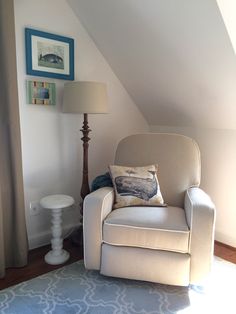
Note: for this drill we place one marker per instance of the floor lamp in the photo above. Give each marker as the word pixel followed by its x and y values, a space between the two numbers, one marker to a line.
pixel 84 98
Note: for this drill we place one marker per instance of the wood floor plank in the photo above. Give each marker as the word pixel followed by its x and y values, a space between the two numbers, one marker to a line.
pixel 225 251
pixel 37 266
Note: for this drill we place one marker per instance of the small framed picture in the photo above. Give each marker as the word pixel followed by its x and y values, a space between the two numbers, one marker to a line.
pixel 49 55
pixel 40 93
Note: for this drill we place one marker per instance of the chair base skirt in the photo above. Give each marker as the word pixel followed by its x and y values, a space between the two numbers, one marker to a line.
pixel 144 264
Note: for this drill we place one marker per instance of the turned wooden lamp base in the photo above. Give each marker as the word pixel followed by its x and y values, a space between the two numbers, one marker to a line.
pixel 77 235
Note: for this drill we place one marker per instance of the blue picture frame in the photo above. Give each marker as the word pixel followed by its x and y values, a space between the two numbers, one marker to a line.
pixel 49 55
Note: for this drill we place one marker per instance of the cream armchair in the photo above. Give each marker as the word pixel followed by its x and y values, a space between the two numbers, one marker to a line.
pixel 170 245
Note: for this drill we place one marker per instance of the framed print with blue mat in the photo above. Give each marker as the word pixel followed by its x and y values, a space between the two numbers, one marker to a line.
pixel 49 55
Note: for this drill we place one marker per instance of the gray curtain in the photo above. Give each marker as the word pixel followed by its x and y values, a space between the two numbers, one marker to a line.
pixel 13 237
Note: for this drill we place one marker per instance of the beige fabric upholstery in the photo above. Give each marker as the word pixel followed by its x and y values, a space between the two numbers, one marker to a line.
pixel 172 245
pixel 143 264
pixel 177 156
pixel 200 212
pixel 96 207
pixel 162 228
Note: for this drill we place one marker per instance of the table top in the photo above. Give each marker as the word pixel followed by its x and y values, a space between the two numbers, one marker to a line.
pixel 56 201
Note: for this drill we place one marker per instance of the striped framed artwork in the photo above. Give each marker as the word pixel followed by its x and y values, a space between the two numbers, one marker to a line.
pixel 40 93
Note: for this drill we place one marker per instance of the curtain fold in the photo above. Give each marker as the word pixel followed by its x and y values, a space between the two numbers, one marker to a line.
pixel 13 235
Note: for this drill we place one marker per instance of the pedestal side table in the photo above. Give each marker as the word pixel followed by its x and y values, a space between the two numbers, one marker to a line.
pixel 56 203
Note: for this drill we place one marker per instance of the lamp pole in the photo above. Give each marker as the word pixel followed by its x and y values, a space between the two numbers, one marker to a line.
pixel 77 236
pixel 85 182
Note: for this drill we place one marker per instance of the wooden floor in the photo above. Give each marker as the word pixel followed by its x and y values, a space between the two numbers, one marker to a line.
pixel 37 266
pixel 225 251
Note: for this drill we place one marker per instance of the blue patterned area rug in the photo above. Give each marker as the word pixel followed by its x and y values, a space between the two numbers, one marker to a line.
pixel 72 289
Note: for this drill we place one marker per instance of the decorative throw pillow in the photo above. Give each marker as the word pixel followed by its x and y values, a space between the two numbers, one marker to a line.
pixel 135 186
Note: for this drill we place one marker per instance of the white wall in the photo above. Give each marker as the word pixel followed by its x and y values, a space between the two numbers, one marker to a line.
pixel 218 152
pixel 228 11
pixel 51 145
pixel 175 58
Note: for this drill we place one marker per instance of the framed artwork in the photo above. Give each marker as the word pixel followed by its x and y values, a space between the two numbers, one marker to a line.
pixel 40 93
pixel 49 55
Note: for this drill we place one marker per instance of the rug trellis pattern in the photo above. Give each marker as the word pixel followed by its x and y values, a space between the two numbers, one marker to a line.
pixel 72 289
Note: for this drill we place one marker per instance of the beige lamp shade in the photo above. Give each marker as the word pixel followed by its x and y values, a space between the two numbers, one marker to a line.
pixel 85 97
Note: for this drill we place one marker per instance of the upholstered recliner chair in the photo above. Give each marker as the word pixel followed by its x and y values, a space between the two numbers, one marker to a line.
pixel 170 245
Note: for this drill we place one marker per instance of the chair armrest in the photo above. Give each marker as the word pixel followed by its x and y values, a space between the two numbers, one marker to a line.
pixel 200 214
pixel 97 205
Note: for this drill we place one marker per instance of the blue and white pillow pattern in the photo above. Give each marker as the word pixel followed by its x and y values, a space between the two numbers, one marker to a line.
pixel 136 186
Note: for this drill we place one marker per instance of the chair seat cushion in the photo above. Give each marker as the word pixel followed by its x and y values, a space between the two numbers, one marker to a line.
pixel 162 228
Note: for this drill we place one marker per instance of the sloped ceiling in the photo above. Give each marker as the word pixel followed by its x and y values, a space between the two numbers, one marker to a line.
pixel 174 58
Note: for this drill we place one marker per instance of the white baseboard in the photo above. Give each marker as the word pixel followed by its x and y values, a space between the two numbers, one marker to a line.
pixel 44 238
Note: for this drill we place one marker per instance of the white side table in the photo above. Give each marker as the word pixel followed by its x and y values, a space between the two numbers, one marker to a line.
pixel 56 203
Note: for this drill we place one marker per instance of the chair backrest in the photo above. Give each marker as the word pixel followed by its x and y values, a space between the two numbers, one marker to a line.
pixel 177 156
